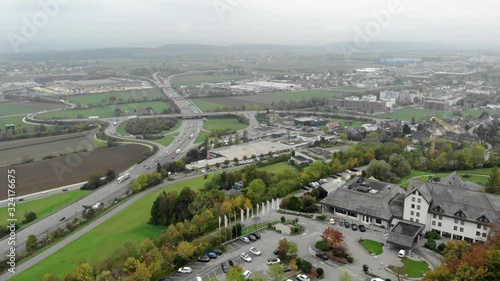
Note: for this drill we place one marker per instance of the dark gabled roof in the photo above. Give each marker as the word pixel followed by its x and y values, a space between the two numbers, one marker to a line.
pixel 404 233
pixel 420 187
pixel 473 204
pixel 373 204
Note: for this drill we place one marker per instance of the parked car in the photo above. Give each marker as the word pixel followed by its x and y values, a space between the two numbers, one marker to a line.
pixel 204 258
pixel 257 235
pixel 303 277
pixel 185 270
pixel 272 261
pixel 354 226
pixel 252 238
pixel 247 274
pixel 347 224
pixel 217 251
pixel 198 278
pixel 332 221
pixel 402 253
pixel 287 268
pixel 246 257
pixel 362 228
pixel 376 279
pixel 254 251
pixel 225 267
pixel 230 262
pixel 322 256
pixel 211 255
pixel 276 252
pixel 245 239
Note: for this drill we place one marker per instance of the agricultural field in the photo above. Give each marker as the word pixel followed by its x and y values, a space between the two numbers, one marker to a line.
pixel 43 175
pixel 407 114
pixel 207 104
pixel 201 136
pixel 45 206
pixel 24 107
pixel 103 98
pixel 219 124
pixel 13 152
pixel 129 225
pixel 105 111
pixel 197 79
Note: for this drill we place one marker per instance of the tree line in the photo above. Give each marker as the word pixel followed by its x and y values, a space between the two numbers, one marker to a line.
pixel 150 125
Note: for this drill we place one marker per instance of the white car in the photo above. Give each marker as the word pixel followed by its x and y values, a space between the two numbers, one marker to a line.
pixel 303 277
pixel 245 239
pixel 376 279
pixel 402 253
pixel 185 269
pixel 246 257
pixel 273 261
pixel 247 274
pixel 332 221
pixel 255 251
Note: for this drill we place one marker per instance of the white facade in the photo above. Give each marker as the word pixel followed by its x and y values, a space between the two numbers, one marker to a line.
pixel 416 208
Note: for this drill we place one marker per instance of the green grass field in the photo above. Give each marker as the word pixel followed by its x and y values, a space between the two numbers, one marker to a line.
pixel 121 128
pixel 16 108
pixel 219 124
pixel 414 269
pixel 407 114
pixel 204 105
pixel 104 111
pixel 197 79
pixel 16 120
pixel 163 141
pixel 98 98
pixel 129 225
pixel 201 137
pixel 45 206
pixel 373 247
pixel 479 176
pixel 348 123
pixel 277 168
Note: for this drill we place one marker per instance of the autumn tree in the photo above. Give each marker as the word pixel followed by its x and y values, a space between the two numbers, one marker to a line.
pixel 31 243
pixel 276 272
pixel 332 237
pixel 235 274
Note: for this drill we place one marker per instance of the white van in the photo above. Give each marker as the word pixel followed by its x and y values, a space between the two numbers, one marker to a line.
pixel 402 253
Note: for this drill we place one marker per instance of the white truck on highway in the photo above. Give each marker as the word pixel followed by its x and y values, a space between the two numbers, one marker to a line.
pixel 132 117
pixel 178 151
pixel 123 177
pixel 191 136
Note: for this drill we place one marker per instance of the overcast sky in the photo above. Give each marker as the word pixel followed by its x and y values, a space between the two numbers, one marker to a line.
pixel 125 23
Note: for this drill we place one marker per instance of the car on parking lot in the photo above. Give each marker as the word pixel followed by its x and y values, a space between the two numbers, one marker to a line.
pixel 230 262
pixel 303 277
pixel 362 228
pixel 257 235
pixel 322 256
pixel 286 268
pixel 247 274
pixel 246 257
pixel 185 269
pixel 354 226
pixel 272 261
pixel 402 253
pixel 198 278
pixel 211 255
pixel 225 267
pixel 254 251
pixel 204 258
pixel 252 238
pixel 376 279
pixel 217 251
pixel 332 221
pixel 276 252
pixel 347 224
pixel 245 239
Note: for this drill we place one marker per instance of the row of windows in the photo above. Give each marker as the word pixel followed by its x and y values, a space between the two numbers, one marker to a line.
pixel 435 216
pixel 479 234
pixel 413 213
pixel 459 221
pixel 418 200
pixel 417 220
pixel 461 229
pixel 439 223
pixel 413 206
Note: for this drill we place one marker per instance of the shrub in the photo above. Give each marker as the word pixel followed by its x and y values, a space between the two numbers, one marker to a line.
pixel 29 217
pixel 320 272
pixel 432 234
pixel 365 268
pixel 441 247
pixel 321 217
pixel 349 259
pixel 322 245
pixel 306 266
pixel 431 244
pixel 283 219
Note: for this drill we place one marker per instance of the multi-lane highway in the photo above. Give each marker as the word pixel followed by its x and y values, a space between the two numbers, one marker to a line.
pixel 188 131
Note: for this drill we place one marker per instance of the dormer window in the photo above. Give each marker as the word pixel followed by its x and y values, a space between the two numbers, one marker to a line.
pixel 483 219
pixel 460 214
pixel 438 209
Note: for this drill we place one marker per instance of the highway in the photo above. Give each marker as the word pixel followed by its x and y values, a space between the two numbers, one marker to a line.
pixel 108 193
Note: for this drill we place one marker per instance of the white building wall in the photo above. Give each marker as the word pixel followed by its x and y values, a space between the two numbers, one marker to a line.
pixel 416 208
pixel 459 227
